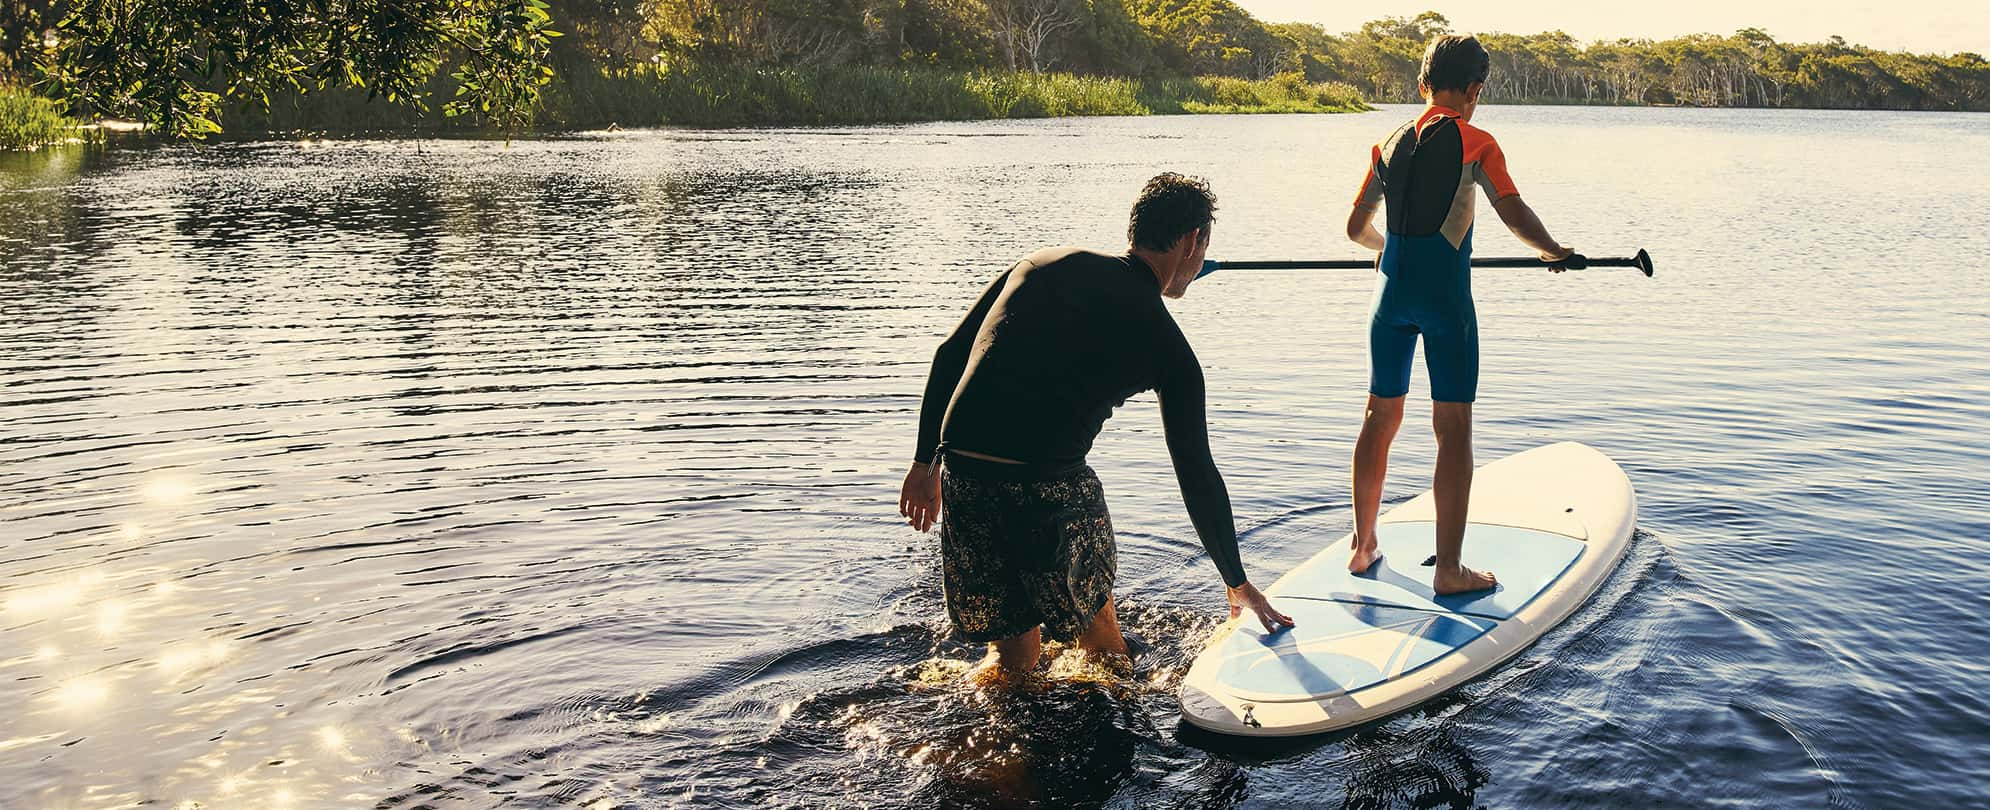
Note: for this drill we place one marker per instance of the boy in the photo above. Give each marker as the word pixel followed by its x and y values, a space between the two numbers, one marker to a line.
pixel 1426 171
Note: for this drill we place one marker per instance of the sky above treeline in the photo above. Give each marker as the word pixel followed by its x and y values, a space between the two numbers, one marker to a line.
pixel 1921 26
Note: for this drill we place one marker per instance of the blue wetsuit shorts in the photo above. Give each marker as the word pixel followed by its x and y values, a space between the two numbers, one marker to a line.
pixel 1424 287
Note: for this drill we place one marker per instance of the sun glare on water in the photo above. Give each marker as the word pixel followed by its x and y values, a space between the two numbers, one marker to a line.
pixel 111 617
pixel 193 655
pixel 167 490
pixel 44 599
pixel 83 693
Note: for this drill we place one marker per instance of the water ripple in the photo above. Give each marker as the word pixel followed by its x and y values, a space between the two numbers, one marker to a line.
pixel 418 473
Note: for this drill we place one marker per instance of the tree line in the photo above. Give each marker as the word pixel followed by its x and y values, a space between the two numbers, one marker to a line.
pixel 1146 38
pixel 176 63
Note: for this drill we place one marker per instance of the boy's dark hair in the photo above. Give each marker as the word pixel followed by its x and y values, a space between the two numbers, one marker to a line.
pixel 1169 207
pixel 1454 62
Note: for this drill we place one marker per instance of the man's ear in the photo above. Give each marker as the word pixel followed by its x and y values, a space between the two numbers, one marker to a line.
pixel 1186 244
pixel 1472 91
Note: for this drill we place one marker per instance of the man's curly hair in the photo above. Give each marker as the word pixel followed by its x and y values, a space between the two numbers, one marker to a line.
pixel 1169 207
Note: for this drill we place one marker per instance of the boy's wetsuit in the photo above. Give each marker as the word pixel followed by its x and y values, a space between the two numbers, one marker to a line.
pixel 1426 172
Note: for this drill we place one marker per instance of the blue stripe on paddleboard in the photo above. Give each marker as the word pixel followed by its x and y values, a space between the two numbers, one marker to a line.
pixel 1526 562
pixel 1338 647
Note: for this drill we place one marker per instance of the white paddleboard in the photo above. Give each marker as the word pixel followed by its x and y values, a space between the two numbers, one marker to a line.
pixel 1551 523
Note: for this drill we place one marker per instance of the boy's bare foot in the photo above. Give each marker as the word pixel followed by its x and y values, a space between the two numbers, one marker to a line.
pixel 1364 558
pixel 1448 581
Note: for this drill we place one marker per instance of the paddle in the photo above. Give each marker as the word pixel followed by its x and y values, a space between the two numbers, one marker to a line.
pixel 1575 261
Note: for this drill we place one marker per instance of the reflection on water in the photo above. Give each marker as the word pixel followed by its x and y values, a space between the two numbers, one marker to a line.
pixel 401 474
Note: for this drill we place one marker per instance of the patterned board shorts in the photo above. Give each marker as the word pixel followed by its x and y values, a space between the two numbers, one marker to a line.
pixel 1018 554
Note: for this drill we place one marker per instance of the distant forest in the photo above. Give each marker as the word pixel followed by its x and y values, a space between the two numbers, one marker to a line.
pixel 1153 38
pixel 1138 39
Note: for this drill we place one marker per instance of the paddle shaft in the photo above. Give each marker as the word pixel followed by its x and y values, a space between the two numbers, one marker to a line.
pixel 1574 261
pixel 1369 264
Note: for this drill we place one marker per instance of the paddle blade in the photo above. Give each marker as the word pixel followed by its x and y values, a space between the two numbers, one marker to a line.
pixel 1211 266
pixel 1644 262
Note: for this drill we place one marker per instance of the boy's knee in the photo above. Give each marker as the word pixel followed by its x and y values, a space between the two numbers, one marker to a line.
pixel 1383 421
pixel 1451 425
pixel 1384 413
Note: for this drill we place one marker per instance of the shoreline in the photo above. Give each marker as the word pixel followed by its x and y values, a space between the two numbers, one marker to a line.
pixel 108 131
pixel 29 123
pixel 721 98
pixel 706 97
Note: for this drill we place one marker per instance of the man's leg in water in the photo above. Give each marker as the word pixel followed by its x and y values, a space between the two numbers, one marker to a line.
pixel 1452 422
pixel 1371 468
pixel 1104 636
pixel 1010 658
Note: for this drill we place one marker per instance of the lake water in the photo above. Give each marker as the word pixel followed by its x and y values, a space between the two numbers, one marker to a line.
pixel 448 474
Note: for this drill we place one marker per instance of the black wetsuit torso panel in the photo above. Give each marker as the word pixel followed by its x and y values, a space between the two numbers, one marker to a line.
pixel 1422 179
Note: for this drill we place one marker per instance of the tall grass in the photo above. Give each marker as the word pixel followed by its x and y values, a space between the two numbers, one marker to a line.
pixel 28 121
pixel 1286 93
pixel 583 97
pixel 704 95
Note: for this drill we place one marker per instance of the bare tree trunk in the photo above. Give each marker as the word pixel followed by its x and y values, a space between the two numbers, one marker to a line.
pixel 1003 13
pixel 1043 18
pixel 1265 65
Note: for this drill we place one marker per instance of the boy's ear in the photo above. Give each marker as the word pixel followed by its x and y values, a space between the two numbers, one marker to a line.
pixel 1472 91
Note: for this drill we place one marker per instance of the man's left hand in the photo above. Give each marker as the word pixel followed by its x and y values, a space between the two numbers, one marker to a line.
pixel 919 498
pixel 1247 596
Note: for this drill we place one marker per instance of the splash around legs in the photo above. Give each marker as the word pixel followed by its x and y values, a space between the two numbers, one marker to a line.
pixel 1013 661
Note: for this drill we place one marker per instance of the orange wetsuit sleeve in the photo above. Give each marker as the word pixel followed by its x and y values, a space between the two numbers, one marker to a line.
pixel 1491 166
pixel 1371 183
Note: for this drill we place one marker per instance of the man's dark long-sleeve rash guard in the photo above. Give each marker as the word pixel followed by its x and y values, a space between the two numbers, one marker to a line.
pixel 1047 352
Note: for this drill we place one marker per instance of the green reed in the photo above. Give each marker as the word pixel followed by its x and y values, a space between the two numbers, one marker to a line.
pixel 28 121
pixel 586 97
pixel 704 95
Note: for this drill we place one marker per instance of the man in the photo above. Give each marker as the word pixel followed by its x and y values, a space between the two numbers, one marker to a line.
pixel 1426 172
pixel 1012 403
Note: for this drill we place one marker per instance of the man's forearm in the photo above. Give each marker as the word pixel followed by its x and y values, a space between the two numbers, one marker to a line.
pixel 1208 503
